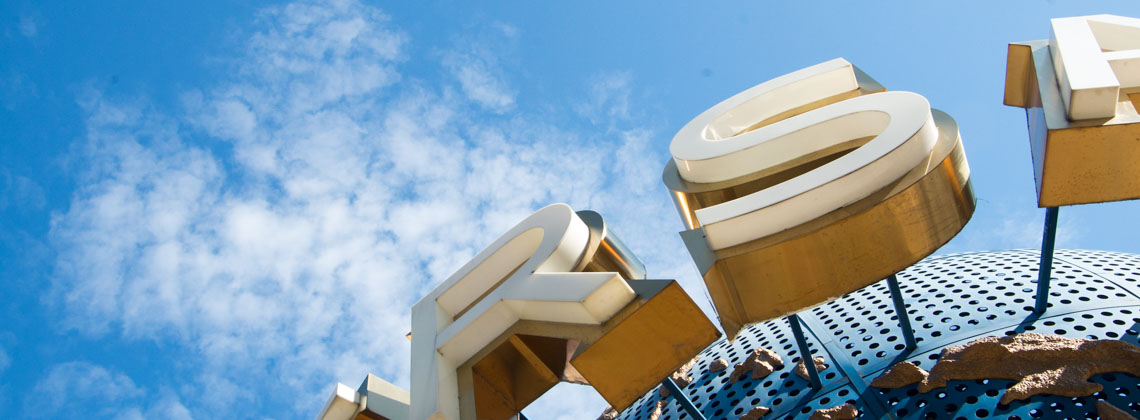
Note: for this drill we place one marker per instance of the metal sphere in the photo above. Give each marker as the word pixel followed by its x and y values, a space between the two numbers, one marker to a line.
pixel 952 300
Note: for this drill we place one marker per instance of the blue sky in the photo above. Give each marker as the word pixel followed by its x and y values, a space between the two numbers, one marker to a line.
pixel 220 209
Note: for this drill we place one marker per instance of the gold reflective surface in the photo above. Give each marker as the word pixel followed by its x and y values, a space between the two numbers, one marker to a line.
pixel 1018 64
pixel 625 357
pixel 622 359
pixel 838 253
pixel 516 373
pixel 834 254
pixel 636 354
pixel 1074 162
pixel 605 252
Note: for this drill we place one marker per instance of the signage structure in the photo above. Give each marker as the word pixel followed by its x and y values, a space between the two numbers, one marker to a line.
pixel 1081 91
pixel 813 185
pixel 794 192
pixel 376 399
pixel 556 298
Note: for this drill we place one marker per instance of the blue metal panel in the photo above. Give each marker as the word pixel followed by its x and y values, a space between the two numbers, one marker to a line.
pixel 806 356
pixel 682 398
pixel 952 300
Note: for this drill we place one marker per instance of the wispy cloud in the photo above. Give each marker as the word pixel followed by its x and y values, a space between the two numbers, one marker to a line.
pixel 279 227
pixel 167 407
pixel 87 390
pixel 5 361
pixel 476 63
pixel 609 98
pixel 1016 229
pixel 479 77
pixel 81 389
pixel 20 192
pixel 88 380
pixel 28 26
pixel 16 89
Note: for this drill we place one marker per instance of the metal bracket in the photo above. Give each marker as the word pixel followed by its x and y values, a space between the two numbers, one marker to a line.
pixel 1045 271
pixel 900 309
pixel 683 399
pixel 805 352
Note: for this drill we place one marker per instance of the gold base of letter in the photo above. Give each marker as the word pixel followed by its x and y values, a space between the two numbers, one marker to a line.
pixel 1074 162
pixel 837 253
pixel 622 359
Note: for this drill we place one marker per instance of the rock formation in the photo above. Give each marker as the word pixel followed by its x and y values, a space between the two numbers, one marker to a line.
pixel 609 414
pixel 1042 364
pixel 656 414
pixel 801 370
pixel 756 413
pixel 761 362
pixel 841 412
pixel 900 375
pixel 718 365
pixel 1107 411
pixel 680 377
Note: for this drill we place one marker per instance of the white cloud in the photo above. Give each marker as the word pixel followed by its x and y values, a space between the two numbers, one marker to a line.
pixel 289 259
pixel 28 27
pixel 17 89
pixel 168 407
pixel 20 192
pixel 216 396
pixel 74 387
pixel 1016 229
pixel 87 390
pixel 478 71
pixel 5 360
pixel 507 29
pixel 609 98
pixel 1026 229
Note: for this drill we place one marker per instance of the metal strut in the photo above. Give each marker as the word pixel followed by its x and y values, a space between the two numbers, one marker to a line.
pixel 683 399
pixel 805 352
pixel 1045 271
pixel 900 309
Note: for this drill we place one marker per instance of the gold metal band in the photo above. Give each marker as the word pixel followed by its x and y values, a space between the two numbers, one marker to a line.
pixel 623 358
pixel 1074 162
pixel 837 253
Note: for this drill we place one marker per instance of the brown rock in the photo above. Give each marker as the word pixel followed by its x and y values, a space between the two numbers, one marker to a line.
pixel 756 413
pixel 1107 411
pixel 1043 364
pixel 761 362
pixel 656 414
pixel 609 414
pixel 900 375
pixel 841 412
pixel 680 377
pixel 801 370
pixel 718 365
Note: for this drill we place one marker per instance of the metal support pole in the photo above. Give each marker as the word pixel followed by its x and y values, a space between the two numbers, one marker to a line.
pixel 1045 271
pixel 900 309
pixel 683 399
pixel 805 352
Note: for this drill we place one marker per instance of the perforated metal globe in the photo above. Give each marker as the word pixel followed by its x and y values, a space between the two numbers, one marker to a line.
pixel 952 300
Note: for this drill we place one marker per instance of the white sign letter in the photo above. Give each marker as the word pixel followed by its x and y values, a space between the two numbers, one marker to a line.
pixel 1094 57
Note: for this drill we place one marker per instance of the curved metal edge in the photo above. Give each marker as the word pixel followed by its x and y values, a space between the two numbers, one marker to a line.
pixel 840 252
